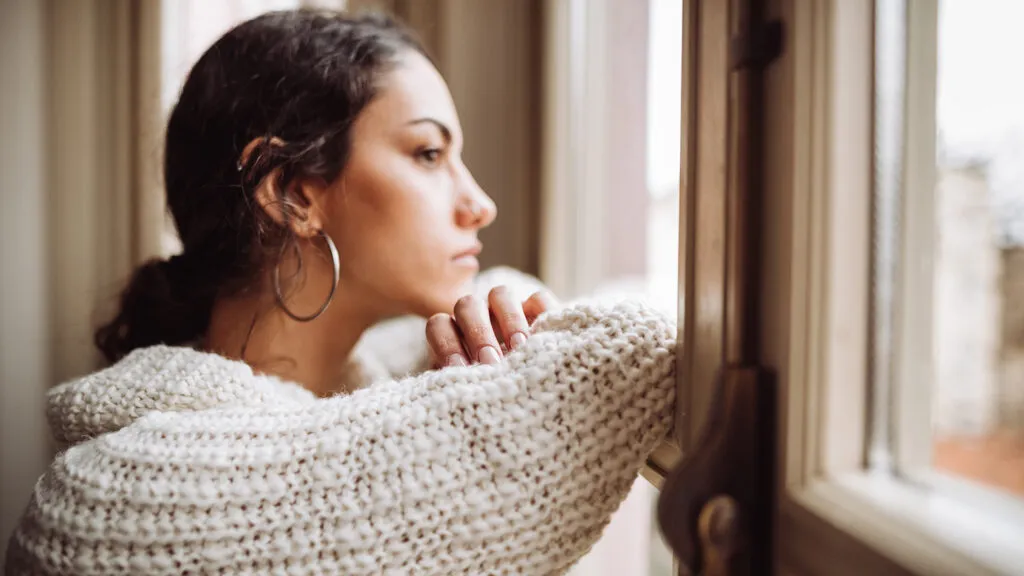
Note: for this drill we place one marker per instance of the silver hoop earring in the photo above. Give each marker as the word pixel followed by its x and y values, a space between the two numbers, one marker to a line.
pixel 335 261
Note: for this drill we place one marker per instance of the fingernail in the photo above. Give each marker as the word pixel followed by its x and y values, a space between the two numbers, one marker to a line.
pixel 518 339
pixel 488 355
pixel 456 360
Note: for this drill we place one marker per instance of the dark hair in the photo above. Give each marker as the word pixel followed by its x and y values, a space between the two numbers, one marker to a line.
pixel 301 76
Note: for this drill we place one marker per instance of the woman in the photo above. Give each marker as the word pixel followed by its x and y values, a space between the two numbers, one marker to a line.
pixel 313 169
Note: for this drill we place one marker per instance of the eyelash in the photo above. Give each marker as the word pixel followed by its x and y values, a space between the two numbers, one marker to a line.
pixel 430 156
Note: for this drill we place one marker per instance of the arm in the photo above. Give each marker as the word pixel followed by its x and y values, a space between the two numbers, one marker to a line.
pixel 463 470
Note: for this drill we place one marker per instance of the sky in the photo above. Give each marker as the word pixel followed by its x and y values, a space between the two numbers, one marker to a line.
pixel 981 73
pixel 980 99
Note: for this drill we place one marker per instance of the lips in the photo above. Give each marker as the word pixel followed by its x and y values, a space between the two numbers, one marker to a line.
pixel 467 258
pixel 471 252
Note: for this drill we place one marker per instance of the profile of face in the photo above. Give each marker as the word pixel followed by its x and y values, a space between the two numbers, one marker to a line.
pixel 333 124
pixel 405 211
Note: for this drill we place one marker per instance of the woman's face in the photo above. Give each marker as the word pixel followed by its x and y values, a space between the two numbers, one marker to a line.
pixel 405 211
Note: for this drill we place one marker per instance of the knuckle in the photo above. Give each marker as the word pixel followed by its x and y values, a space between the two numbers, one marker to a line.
pixel 466 301
pixel 438 320
pixel 440 334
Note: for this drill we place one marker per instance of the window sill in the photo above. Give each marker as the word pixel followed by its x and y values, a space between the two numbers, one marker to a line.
pixel 923 530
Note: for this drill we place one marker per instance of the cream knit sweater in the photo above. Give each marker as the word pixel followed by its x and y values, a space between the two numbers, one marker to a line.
pixel 187 462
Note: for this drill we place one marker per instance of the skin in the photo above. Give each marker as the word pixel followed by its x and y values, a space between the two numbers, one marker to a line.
pixel 404 215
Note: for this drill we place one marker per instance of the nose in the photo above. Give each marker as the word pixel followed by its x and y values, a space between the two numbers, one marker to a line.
pixel 475 209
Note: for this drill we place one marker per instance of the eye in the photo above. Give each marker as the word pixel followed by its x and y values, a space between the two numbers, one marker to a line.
pixel 429 156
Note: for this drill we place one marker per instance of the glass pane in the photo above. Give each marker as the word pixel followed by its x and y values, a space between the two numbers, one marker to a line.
pixel 948 267
pixel 979 254
pixel 664 110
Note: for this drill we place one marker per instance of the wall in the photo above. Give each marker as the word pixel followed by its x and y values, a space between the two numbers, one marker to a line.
pixel 24 314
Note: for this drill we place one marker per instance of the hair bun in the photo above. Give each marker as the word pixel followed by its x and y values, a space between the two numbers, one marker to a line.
pixel 156 308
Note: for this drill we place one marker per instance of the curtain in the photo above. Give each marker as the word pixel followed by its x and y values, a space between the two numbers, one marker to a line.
pixel 104 130
pixel 80 172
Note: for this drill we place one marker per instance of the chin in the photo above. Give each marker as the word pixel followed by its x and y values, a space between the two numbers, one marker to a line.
pixel 443 300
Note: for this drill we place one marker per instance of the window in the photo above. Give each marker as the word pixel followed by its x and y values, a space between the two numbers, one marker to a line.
pixel 895 233
pixel 978 341
pixel 612 158
pixel 611 207
pixel 664 110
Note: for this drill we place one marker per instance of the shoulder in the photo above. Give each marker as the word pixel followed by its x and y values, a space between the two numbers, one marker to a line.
pixel 159 379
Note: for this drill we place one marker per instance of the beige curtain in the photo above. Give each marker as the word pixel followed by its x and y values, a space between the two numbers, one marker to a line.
pixel 80 171
pixel 107 205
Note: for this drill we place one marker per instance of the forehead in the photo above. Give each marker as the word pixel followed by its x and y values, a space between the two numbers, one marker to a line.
pixel 412 89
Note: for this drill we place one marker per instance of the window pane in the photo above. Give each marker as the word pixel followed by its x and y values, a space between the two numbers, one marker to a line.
pixel 664 109
pixel 948 267
pixel 979 263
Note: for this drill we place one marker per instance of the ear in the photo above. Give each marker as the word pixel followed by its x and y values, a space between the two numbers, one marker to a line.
pixel 298 206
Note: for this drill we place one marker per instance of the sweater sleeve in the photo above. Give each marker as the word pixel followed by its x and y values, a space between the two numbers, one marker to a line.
pixel 513 469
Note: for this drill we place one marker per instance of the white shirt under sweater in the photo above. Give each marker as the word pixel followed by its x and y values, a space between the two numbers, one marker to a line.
pixel 186 462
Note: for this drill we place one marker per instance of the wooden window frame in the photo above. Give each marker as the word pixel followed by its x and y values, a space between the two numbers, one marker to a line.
pixel 703 216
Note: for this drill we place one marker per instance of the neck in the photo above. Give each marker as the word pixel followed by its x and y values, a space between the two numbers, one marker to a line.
pixel 313 354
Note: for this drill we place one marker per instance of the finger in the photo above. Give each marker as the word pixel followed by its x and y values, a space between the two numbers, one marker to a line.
pixel 497 332
pixel 537 304
pixel 474 324
pixel 445 342
pixel 512 324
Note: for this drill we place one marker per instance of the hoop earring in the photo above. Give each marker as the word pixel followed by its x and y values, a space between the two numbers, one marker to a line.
pixel 335 261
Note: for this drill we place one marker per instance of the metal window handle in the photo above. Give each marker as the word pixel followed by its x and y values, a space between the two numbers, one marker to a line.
pixel 720 529
pixel 715 507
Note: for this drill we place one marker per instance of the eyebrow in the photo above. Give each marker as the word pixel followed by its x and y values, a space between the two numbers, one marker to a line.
pixel 445 131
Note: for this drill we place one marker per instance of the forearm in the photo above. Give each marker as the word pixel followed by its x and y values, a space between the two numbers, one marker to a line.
pixel 519 465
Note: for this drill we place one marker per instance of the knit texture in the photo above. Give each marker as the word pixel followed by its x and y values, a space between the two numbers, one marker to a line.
pixel 186 462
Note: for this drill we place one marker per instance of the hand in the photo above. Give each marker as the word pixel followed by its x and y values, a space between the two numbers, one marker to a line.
pixel 480 332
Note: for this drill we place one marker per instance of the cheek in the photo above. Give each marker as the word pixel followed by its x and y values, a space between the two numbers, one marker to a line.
pixel 393 223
